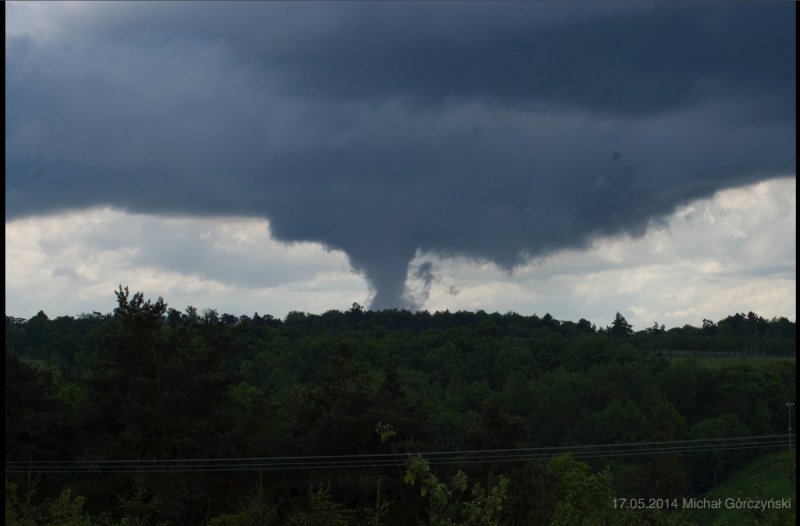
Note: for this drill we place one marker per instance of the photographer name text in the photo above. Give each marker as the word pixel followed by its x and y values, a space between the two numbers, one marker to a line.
pixel 704 504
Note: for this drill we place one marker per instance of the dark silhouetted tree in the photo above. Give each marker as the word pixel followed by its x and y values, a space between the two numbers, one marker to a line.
pixel 620 328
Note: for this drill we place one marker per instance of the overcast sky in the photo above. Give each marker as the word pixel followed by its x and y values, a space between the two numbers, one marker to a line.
pixel 578 159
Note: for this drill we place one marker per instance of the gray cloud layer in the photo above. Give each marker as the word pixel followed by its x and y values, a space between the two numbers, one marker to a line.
pixel 494 131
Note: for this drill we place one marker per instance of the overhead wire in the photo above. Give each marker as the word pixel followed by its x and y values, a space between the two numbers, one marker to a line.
pixel 378 460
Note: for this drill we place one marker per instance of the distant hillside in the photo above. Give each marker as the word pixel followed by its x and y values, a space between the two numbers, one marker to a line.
pixel 772 476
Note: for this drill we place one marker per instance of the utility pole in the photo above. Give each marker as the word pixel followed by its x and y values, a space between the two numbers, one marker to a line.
pixel 790 405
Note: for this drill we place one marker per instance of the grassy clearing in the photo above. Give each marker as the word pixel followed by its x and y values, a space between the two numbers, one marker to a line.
pixel 769 477
pixel 719 363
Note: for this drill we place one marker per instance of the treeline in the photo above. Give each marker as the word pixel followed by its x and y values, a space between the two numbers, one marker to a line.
pixel 149 382
pixel 70 342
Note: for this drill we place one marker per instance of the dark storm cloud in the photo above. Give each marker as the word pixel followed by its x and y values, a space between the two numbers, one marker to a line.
pixel 494 131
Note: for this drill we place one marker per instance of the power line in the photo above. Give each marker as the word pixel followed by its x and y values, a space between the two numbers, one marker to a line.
pixel 366 464
pixel 397 459
pixel 424 453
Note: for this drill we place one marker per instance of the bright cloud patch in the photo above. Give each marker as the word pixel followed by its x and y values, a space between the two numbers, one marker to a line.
pixel 71 263
pixel 733 253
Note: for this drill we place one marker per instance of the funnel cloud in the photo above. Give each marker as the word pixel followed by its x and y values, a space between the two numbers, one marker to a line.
pixel 494 131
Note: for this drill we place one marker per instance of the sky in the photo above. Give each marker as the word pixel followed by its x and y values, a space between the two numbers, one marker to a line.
pixel 580 159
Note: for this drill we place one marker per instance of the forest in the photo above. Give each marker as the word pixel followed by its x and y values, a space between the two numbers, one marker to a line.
pixel 153 416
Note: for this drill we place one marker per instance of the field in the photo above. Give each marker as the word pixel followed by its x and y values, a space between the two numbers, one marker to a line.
pixel 719 363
